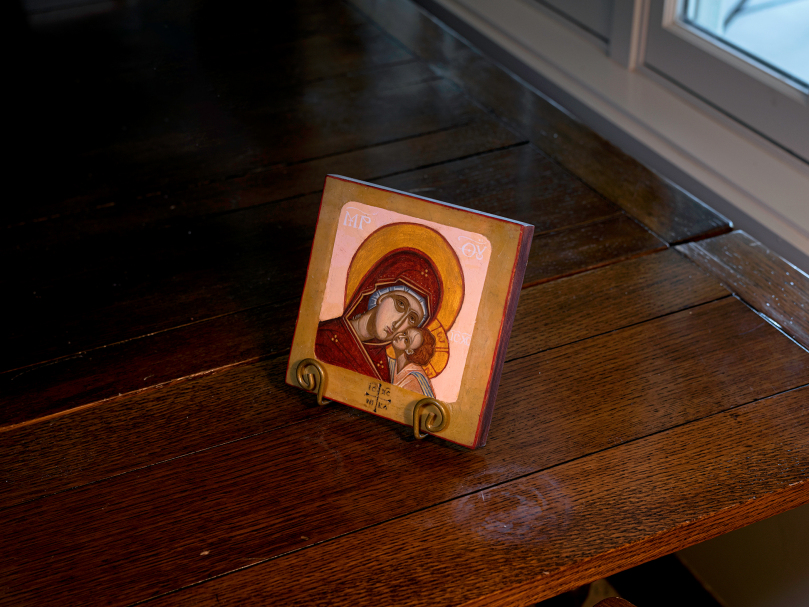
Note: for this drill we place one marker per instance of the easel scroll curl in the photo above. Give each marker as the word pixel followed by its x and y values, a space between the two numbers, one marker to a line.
pixel 311 376
pixel 437 417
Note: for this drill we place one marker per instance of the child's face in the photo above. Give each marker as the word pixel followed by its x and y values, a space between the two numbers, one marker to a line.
pixel 407 341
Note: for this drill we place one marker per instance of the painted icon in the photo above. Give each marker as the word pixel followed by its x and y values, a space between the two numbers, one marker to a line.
pixel 402 288
pixel 407 308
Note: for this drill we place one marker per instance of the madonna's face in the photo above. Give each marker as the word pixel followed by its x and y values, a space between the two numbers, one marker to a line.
pixel 395 312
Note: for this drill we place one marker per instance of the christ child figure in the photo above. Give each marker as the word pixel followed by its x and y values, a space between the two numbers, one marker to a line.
pixel 413 349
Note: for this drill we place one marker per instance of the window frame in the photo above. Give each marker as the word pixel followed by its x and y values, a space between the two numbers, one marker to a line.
pixel 759 98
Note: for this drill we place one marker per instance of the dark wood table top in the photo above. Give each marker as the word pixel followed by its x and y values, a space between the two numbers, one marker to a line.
pixel 656 385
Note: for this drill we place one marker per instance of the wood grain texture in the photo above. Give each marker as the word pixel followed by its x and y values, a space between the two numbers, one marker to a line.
pixel 52 261
pixel 520 184
pixel 104 225
pixel 222 265
pixel 278 491
pixel 627 375
pixel 172 74
pixel 577 229
pixel 579 248
pixel 646 288
pixel 227 263
pixel 337 116
pixel 524 527
pixel 596 302
pixel 176 418
pixel 172 156
pixel 615 601
pixel 665 209
pixel 247 274
pixel 764 280
pixel 137 364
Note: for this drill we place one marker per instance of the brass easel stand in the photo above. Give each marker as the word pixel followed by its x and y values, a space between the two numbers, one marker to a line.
pixel 435 422
pixel 311 377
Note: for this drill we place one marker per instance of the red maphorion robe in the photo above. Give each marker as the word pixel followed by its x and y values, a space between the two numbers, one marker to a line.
pixel 337 344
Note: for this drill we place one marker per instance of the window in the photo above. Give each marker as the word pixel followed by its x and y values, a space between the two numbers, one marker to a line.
pixel 773 32
pixel 747 58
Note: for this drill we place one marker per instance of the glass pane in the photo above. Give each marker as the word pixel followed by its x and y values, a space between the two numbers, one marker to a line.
pixel 775 32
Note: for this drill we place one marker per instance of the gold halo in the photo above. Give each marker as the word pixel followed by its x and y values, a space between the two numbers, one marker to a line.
pixel 441 355
pixel 395 236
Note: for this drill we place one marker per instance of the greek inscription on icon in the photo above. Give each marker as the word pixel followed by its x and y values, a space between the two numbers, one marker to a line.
pixel 377 396
pixel 459 338
pixel 472 248
pixel 357 220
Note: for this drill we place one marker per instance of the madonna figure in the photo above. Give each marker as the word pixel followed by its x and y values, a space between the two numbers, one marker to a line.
pixel 404 276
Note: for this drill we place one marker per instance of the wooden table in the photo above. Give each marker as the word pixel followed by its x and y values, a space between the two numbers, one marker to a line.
pixel 654 393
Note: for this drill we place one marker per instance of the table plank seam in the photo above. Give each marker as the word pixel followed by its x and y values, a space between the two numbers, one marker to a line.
pixel 628 326
pixel 487 109
pixel 158 386
pixel 323 411
pixel 448 161
pixel 769 320
pixel 260 168
pixel 37 365
pixel 366 70
pixel 278 353
pixel 618 213
pixel 603 264
pixel 494 485
pixel 758 277
pixel 370 146
pixel 191 221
